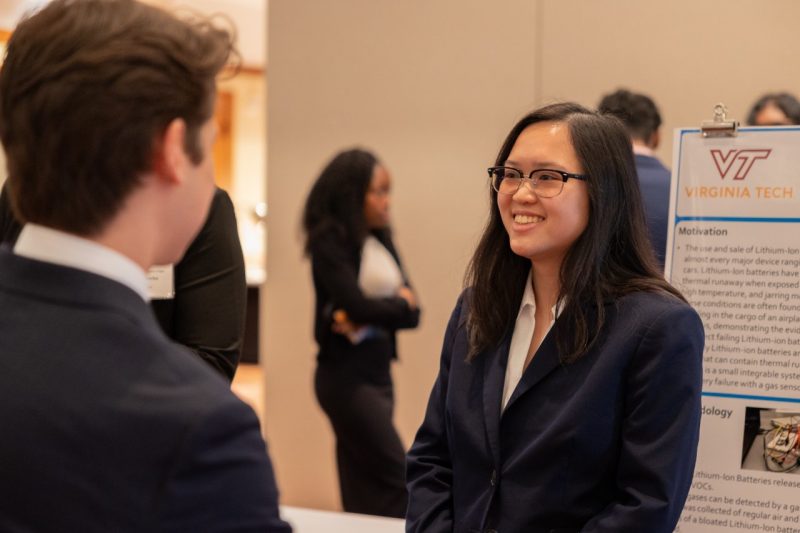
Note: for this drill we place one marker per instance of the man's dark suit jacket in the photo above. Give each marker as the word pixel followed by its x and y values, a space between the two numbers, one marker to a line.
pixel 208 311
pixel 654 183
pixel 109 426
pixel 606 444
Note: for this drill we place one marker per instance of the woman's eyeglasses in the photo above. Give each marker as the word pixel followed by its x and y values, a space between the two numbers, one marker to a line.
pixel 545 182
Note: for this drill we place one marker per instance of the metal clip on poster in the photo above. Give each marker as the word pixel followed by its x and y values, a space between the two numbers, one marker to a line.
pixel 720 126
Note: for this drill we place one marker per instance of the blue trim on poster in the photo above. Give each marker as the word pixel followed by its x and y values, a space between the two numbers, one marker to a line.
pixel 674 201
pixel 735 219
pixel 753 129
pixel 751 397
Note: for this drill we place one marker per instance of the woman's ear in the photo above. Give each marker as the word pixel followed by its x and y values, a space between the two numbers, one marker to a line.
pixel 170 157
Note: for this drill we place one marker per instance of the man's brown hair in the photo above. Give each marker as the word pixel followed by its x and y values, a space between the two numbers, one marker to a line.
pixel 86 89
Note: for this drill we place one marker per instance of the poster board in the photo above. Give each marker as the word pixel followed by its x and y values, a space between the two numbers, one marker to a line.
pixel 733 249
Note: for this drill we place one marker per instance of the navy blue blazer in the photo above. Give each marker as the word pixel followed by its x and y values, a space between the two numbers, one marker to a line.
pixel 606 444
pixel 654 181
pixel 207 313
pixel 109 426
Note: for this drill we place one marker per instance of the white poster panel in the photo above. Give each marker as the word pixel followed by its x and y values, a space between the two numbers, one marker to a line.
pixel 734 252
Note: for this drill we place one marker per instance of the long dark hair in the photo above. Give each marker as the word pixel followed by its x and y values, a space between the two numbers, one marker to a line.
pixel 612 257
pixel 336 201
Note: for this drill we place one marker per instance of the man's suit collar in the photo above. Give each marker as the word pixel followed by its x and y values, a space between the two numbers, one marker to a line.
pixel 71 286
pixel 61 248
pixel 648 162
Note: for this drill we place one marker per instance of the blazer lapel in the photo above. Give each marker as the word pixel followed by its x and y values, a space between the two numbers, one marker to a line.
pixel 543 363
pixel 494 372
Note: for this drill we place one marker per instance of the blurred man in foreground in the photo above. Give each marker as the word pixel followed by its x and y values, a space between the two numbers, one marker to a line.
pixel 106 113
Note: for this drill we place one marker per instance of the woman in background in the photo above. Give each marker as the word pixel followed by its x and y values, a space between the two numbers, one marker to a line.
pixel 362 298
pixel 775 109
pixel 568 397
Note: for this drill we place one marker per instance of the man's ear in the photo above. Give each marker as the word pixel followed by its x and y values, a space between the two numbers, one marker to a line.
pixel 170 158
pixel 655 139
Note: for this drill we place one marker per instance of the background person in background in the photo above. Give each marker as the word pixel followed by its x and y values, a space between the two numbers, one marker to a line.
pixel 568 396
pixel 106 118
pixel 362 298
pixel 775 109
pixel 641 117
pixel 207 312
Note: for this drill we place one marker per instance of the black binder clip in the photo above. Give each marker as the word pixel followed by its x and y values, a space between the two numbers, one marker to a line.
pixel 720 126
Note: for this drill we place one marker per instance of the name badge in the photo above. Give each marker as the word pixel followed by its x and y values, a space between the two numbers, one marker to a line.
pixel 161 282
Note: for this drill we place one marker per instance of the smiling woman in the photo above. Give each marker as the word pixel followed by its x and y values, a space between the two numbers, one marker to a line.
pixel 539 225
pixel 569 392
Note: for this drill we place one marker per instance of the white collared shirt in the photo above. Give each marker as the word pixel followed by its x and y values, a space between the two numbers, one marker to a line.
pixel 379 274
pixel 521 340
pixel 53 246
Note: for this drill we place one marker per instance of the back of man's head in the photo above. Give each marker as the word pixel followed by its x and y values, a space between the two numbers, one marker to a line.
pixel 86 90
pixel 637 111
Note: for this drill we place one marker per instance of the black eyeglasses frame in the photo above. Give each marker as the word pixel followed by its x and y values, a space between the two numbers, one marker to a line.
pixel 564 177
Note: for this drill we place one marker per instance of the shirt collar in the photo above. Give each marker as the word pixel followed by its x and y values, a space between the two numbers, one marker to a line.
pixel 53 246
pixel 527 295
pixel 528 299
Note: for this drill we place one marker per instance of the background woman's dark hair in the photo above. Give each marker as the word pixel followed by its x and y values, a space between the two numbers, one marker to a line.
pixel 612 257
pixel 336 201
pixel 783 101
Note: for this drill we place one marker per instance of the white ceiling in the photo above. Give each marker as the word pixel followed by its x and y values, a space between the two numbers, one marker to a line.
pixel 249 16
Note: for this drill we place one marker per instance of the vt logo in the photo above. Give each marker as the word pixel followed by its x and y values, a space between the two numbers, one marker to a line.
pixel 727 161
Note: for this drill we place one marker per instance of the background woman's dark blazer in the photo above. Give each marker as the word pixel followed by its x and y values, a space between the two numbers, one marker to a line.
pixel 605 444
pixel 335 265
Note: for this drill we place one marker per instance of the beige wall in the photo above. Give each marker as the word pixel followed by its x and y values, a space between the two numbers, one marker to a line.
pixel 432 87
pixel 687 54
pixel 410 80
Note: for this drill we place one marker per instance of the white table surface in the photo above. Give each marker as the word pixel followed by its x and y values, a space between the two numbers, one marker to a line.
pixel 314 521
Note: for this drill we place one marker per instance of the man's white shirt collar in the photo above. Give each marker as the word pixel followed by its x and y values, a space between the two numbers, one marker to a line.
pixel 53 246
